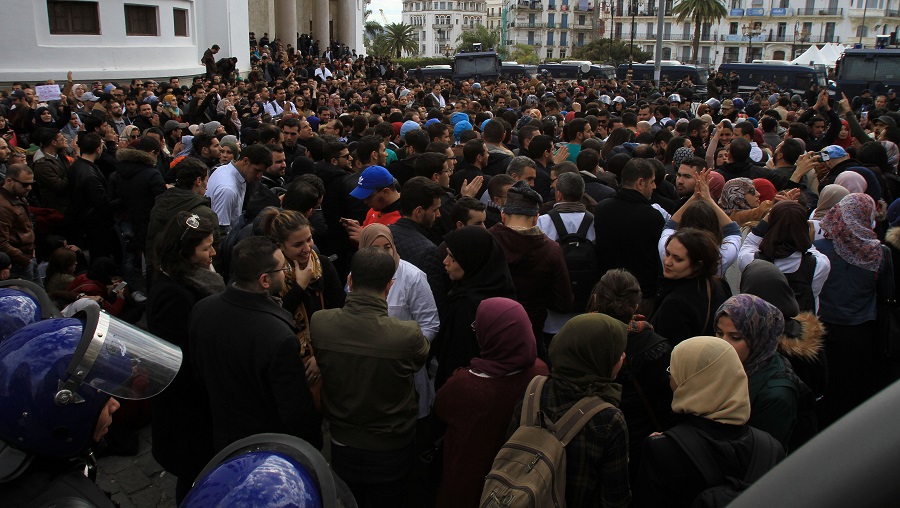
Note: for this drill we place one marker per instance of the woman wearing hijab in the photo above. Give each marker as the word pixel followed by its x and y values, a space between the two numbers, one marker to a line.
pixel 478 270
pixel 852 181
pixel 646 396
pixel 753 326
pixel 829 196
pixel 43 118
pixel 861 273
pixel 410 299
pixel 712 401
pixel 586 356
pixel 844 139
pixel 784 238
pixel 477 403
pixel 764 189
pixel 741 202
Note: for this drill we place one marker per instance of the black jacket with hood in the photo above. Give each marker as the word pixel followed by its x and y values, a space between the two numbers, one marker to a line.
pixel 134 186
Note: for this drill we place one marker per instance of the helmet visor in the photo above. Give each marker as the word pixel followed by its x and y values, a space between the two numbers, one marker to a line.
pixel 127 362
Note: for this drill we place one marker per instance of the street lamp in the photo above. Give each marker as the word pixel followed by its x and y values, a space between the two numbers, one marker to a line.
pixel 751 32
pixel 633 7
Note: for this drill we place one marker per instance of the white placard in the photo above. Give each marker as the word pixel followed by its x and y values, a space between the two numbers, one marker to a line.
pixel 47 92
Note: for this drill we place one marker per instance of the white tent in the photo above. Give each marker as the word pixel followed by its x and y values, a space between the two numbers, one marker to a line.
pixel 812 56
pixel 829 53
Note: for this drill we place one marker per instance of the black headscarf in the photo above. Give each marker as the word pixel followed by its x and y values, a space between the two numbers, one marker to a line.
pixel 486 272
pixel 763 279
pixel 788 231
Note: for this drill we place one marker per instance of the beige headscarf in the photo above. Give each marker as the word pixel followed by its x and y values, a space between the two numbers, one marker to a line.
pixel 710 381
pixel 373 231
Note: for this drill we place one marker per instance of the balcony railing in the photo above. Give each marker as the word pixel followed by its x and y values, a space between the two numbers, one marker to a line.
pixel 807 39
pixel 585 26
pixel 669 37
pixel 528 6
pixel 888 13
pixel 837 11
pixel 525 24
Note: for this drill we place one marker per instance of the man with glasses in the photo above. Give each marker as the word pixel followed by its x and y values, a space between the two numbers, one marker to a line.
pixel 16 229
pixel 245 349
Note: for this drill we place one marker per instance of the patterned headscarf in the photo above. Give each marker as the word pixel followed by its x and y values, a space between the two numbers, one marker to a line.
pixel 680 155
pixel 849 225
pixel 759 322
pixel 734 195
pixel 709 381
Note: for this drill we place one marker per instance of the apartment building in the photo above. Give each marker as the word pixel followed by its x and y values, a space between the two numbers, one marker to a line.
pixel 438 23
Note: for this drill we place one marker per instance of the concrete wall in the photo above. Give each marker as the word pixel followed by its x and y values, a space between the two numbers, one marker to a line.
pixel 37 55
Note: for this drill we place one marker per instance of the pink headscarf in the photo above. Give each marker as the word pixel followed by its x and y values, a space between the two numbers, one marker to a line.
pixel 849 225
pixel 716 184
pixel 852 181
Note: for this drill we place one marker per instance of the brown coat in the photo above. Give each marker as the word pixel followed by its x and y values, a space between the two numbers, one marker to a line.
pixel 16 229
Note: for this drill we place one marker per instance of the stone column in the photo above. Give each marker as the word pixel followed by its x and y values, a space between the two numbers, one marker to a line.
pixel 321 18
pixel 286 21
pixel 346 23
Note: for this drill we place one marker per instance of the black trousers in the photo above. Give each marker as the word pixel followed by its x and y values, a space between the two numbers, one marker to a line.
pixel 376 479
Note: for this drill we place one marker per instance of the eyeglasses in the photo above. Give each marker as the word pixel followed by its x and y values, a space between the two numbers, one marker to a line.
pixel 346 156
pixel 20 182
pixel 282 269
pixel 191 222
pixel 135 136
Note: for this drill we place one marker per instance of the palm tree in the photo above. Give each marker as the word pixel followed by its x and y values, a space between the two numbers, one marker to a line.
pixel 699 11
pixel 397 38
pixel 525 54
pixel 487 38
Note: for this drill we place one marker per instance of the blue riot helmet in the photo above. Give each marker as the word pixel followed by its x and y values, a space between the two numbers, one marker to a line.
pixel 57 375
pixel 272 470
pixel 738 103
pixel 22 302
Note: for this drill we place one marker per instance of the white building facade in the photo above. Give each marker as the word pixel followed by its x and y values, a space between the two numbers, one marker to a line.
pixel 438 23
pixel 115 39
pixel 341 20
pixel 752 29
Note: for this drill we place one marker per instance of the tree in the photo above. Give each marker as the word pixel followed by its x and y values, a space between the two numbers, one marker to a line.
pixel 613 52
pixel 395 39
pixel 525 54
pixel 487 38
pixel 699 11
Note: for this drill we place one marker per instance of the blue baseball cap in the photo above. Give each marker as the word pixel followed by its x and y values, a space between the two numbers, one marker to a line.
pixel 374 177
pixel 835 151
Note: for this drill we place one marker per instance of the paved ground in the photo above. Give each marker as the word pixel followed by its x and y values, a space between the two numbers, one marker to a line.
pixel 137 481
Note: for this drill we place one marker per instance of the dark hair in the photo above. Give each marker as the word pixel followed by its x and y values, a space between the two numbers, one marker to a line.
pixel 463 206
pixel 437 147
pixel 629 119
pixel 47 136
pixel 472 149
pixel 574 127
pixel 59 261
pixel 739 150
pixel 301 196
pixel 617 295
pixel 427 164
pixel 873 153
pixel 89 142
pixel 616 164
pixel 418 191
pixel 372 269
pixel 102 270
pixel 498 182
pixel 792 149
pixel 540 144
pixel 636 169
pixel 418 140
pixel 178 242
pixel 494 132
pixel 768 124
pixel 698 163
pixel 148 145
pixel 799 130
pixel 257 154
pixel 435 130
pixel 703 252
pixel 673 144
pixel 200 142
pixel 701 215
pixel 268 134
pixel 618 136
pixel 527 132
pixel 252 257
pixel 365 147
pixel 587 160
pixel 187 171
pixel 333 150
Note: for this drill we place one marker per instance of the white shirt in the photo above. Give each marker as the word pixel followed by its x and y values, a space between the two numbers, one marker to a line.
pixel 571 221
pixel 440 99
pixel 789 264
pixel 731 244
pixel 226 189
pixel 322 73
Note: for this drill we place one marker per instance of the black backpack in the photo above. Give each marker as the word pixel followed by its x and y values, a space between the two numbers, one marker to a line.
pixel 720 489
pixel 581 258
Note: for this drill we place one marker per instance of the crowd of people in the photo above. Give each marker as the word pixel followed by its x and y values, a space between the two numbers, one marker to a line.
pixel 380 264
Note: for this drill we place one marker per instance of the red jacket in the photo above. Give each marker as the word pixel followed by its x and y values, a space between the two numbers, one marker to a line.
pixel 82 284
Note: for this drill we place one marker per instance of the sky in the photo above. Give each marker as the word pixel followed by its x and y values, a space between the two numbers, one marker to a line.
pixel 392 10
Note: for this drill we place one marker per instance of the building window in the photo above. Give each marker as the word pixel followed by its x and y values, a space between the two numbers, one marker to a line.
pixel 73 18
pixel 549 53
pixel 141 20
pixel 181 22
pixel 778 55
pixel 562 51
